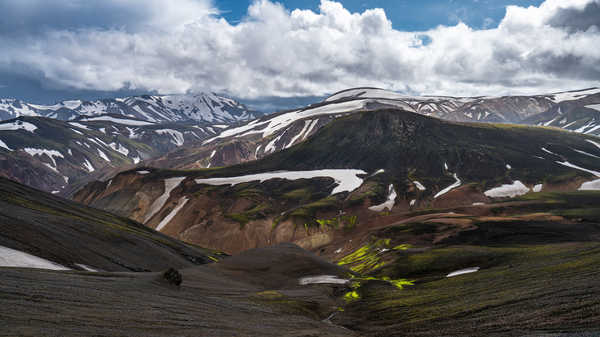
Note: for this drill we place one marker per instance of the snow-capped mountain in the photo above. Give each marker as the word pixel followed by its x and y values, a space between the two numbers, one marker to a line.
pixel 55 155
pixel 207 107
pixel 576 111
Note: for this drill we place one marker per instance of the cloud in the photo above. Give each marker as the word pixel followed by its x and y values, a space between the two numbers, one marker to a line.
pixel 178 46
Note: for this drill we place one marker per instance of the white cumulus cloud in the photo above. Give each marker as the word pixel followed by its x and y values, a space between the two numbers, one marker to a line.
pixel 178 46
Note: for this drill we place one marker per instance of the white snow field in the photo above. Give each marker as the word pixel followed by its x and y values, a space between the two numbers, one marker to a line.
pixel 15 258
pixel 346 179
pixel 593 185
pixel 18 125
pixel 123 121
pixel 508 190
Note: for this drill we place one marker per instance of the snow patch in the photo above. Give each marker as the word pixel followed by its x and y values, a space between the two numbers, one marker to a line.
pixel 567 164
pixel 170 185
pixel 585 153
pixel 119 148
pixel 593 185
pixel 548 151
pixel 593 106
pixel 282 121
pixel 463 271
pixel 322 279
pixel 3 145
pixel 16 258
pixel 378 172
pixel 300 134
pixel 508 190
pixel 449 188
pixel 389 203
pixel 103 155
pixel 177 136
pixel 142 172
pixel 173 213
pixel 78 125
pixel 86 268
pixel 40 152
pixel 18 125
pixel 593 142
pixel 573 95
pixel 346 179
pixel 537 188
pixel 87 165
pixel 131 122
pixel 419 186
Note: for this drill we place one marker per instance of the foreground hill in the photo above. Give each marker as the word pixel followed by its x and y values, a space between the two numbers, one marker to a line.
pixel 41 230
pixel 352 169
pixel 202 107
pixel 57 156
pixel 525 266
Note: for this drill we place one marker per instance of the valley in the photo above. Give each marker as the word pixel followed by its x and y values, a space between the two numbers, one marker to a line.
pixel 363 215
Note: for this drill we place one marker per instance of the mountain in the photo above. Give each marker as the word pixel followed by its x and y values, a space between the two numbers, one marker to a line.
pixel 349 171
pixel 414 226
pixel 57 156
pixel 206 107
pixel 45 231
pixel 572 111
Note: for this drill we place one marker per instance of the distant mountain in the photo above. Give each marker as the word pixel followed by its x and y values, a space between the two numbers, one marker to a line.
pixel 206 107
pixel 57 156
pixel 356 165
pixel 576 111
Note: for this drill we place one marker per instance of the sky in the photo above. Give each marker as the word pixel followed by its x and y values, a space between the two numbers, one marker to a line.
pixel 275 54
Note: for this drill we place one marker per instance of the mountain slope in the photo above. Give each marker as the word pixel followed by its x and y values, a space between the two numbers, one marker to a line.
pixel 276 132
pixel 54 155
pixel 206 107
pixel 77 237
pixel 350 170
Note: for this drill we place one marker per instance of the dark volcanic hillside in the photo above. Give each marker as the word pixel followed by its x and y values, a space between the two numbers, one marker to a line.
pixel 384 160
pixel 575 111
pixel 78 237
pixel 525 266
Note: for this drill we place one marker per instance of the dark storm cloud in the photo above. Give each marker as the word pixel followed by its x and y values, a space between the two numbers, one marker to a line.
pixel 574 19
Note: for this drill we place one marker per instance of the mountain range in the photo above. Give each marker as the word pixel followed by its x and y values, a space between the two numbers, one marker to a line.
pixel 206 107
pixel 358 165
pixel 576 111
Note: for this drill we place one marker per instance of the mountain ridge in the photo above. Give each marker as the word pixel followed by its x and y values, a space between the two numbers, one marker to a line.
pixel 206 107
